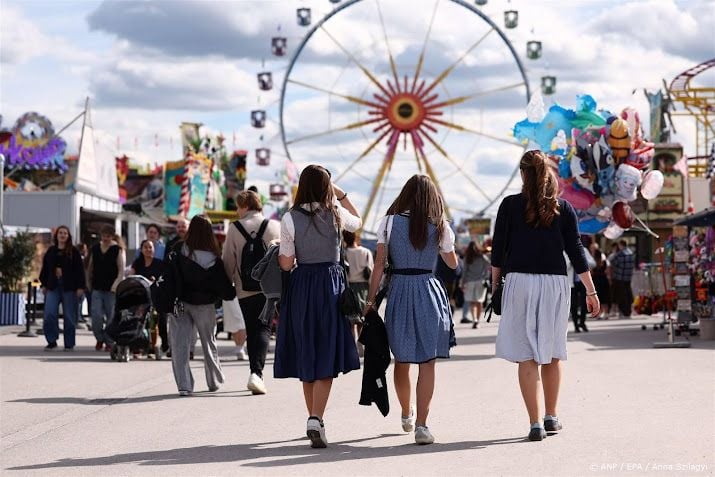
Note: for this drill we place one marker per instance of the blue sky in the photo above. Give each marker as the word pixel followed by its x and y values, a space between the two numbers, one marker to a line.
pixel 149 65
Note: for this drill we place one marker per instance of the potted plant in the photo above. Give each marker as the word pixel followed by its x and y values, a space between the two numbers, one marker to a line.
pixel 16 258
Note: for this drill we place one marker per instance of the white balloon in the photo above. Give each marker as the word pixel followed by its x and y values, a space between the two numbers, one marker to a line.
pixel 652 184
pixel 613 231
pixel 535 110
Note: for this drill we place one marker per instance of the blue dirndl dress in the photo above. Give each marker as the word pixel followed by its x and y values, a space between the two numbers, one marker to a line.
pixel 418 317
pixel 314 340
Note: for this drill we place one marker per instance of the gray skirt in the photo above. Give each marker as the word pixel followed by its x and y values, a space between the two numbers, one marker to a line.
pixel 534 321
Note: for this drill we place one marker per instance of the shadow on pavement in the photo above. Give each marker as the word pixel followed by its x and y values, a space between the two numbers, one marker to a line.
pixel 288 455
pixel 130 400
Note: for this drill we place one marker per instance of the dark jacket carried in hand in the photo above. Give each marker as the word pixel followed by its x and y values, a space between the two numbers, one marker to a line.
pixel 73 277
pixel 377 359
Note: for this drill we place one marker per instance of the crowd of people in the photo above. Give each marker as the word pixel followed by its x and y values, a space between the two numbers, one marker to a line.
pixel 536 262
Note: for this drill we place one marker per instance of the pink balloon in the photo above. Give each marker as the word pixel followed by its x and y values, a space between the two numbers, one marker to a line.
pixel 652 184
pixel 580 199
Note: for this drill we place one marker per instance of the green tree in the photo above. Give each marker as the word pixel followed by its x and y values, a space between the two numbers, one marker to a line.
pixel 16 261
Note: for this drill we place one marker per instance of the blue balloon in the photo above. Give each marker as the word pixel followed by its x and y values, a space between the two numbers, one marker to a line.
pixel 543 132
pixel 591 226
pixel 585 102
pixel 564 168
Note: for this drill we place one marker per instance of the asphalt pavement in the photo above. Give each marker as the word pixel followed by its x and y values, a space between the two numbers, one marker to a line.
pixel 627 409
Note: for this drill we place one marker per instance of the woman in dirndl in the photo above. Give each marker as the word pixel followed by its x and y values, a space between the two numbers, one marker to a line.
pixel 532 231
pixel 417 316
pixel 314 342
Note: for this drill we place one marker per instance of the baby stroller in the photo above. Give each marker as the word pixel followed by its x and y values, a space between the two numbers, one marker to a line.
pixel 130 321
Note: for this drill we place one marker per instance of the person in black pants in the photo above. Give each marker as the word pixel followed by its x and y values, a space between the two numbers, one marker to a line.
pixel 254 226
pixel 578 306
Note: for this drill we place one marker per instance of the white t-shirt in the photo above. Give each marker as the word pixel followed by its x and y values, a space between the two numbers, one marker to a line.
pixel 446 244
pixel 358 258
pixel 287 248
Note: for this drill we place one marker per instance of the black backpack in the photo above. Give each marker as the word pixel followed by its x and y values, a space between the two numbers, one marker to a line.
pixel 252 253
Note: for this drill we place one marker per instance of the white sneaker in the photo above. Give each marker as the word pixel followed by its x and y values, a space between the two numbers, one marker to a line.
pixel 423 435
pixel 241 354
pixel 316 433
pixel 256 384
pixel 408 423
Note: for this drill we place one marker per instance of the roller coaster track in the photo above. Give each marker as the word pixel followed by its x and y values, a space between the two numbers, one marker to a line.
pixel 699 103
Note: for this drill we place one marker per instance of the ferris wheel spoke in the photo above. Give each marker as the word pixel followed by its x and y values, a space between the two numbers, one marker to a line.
pixel 420 61
pixel 458 167
pixel 367 72
pixel 381 194
pixel 462 99
pixel 386 164
pixel 460 128
pixel 363 154
pixel 336 130
pixel 451 67
pixel 431 174
pixel 393 67
pixel 334 93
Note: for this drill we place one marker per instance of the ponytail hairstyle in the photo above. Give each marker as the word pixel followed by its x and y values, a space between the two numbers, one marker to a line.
pixel 540 189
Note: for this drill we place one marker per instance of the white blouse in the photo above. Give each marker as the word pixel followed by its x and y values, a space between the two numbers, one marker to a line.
pixel 348 222
pixel 446 244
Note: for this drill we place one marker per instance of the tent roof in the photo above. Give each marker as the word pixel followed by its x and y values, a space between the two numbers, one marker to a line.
pixel 703 218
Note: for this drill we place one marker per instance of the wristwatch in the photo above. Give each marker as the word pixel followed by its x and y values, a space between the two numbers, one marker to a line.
pixel 370 303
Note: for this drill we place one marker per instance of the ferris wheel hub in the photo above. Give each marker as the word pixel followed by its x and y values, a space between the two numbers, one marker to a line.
pixel 405 111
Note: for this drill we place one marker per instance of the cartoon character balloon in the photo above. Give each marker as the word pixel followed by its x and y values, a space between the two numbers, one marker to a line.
pixel 628 178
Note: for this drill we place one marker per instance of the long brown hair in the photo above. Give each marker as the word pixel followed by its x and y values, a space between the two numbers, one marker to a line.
pixel 200 236
pixel 540 189
pixel 419 196
pixel 314 185
pixel 473 251
pixel 68 245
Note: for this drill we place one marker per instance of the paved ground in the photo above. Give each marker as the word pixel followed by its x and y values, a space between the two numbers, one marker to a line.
pixel 627 408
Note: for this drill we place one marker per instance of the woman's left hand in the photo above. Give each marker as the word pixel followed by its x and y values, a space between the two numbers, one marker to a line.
pixel 593 305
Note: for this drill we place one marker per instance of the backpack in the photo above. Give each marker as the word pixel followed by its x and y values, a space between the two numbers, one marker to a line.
pixel 252 253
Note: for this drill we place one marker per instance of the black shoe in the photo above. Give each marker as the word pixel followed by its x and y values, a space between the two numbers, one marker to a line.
pixel 51 346
pixel 552 425
pixel 191 356
pixel 537 434
pixel 475 325
pixel 466 320
pixel 168 353
pixel 583 327
pixel 577 330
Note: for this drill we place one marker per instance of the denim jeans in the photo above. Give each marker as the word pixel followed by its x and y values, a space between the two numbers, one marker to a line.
pixel 102 310
pixel 50 323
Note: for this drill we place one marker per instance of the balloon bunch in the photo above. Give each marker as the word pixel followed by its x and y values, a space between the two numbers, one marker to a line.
pixel 600 158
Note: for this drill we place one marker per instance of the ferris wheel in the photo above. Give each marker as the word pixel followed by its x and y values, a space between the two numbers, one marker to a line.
pixel 377 93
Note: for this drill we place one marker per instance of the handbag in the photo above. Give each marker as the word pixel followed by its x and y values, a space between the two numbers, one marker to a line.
pixel 348 302
pixel 495 305
pixel 366 272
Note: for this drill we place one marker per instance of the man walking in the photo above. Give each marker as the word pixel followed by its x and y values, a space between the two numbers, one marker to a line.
pixel 247 240
pixel 623 265
pixel 182 226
